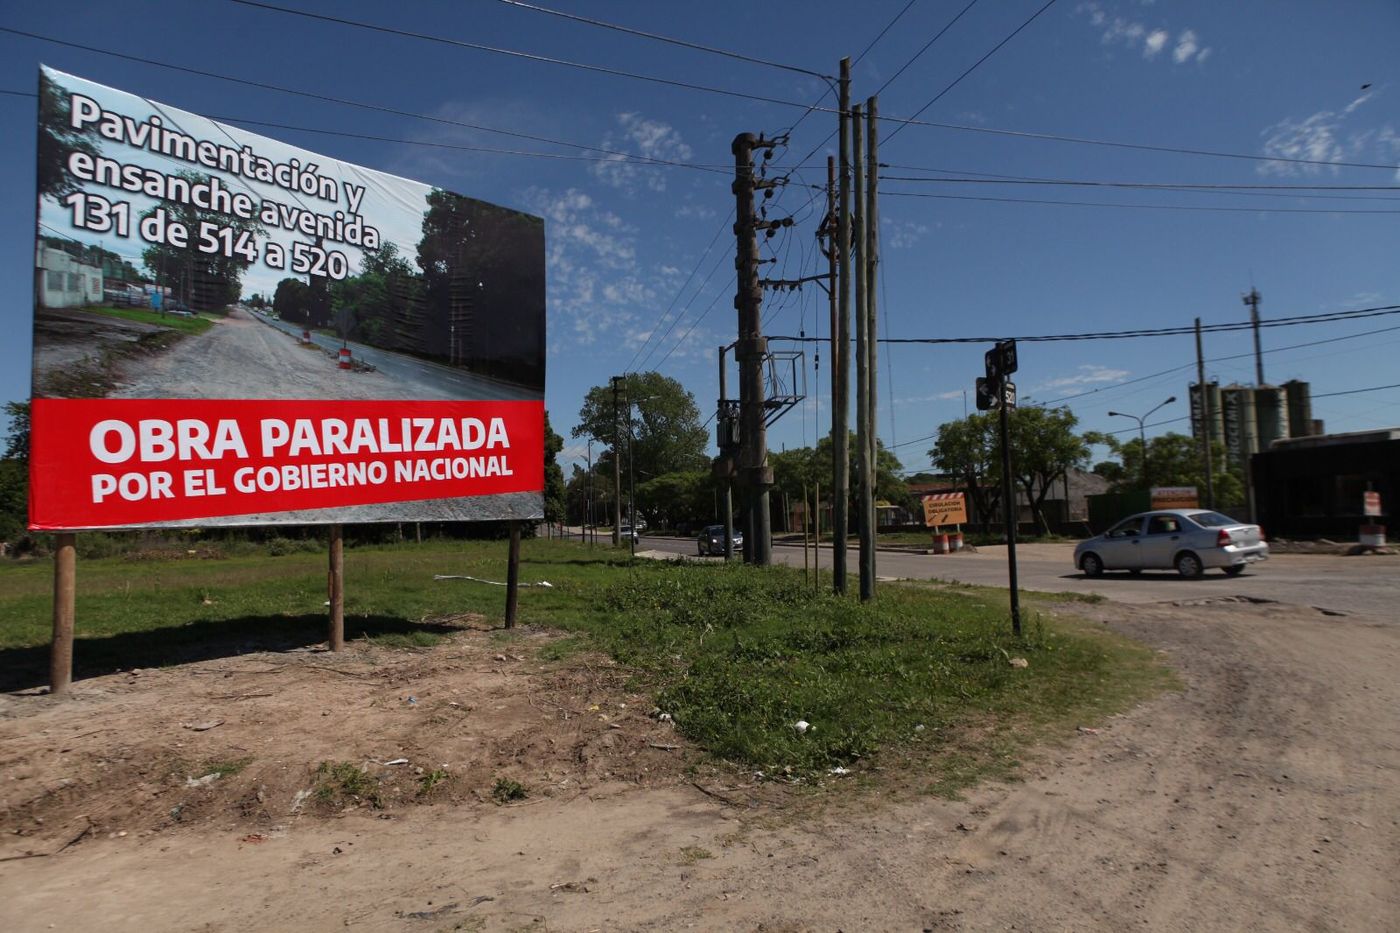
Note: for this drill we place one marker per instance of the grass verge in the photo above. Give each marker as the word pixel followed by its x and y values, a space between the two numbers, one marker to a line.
pixel 736 655
pixel 185 325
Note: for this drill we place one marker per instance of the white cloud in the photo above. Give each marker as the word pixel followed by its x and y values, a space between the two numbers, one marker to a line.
pixel 1186 47
pixel 1087 374
pixel 651 139
pixel 1152 40
pixel 901 234
pixel 1323 137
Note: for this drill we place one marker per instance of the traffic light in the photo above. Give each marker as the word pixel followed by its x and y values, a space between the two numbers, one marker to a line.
pixel 986 395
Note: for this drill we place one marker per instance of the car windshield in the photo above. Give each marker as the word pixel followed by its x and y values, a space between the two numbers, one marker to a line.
pixel 1212 519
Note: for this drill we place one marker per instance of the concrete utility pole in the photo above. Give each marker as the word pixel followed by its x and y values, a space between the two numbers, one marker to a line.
pixel 725 451
pixel 870 256
pixel 1252 299
pixel 1011 512
pixel 863 530
pixel 840 347
pixel 751 350
pixel 1207 425
pixel 617 464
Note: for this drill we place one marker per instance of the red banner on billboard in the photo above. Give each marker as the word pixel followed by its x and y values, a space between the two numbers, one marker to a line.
pixel 113 463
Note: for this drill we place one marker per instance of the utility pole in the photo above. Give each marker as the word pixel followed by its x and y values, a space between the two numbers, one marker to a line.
pixel 840 345
pixel 617 464
pixel 863 529
pixel 1207 425
pixel 751 350
pixel 726 450
pixel 870 257
pixel 1252 299
pixel 1011 516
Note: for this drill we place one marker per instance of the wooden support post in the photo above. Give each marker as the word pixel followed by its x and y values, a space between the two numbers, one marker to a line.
pixel 513 575
pixel 335 585
pixel 65 570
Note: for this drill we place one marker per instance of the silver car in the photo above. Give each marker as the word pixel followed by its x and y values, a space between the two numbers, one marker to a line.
pixel 1189 540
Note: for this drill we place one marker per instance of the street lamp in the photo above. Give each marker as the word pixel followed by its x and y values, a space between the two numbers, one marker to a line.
pixel 1142 432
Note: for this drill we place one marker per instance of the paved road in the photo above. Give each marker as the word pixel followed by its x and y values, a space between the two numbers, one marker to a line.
pixel 443 381
pixel 1365 586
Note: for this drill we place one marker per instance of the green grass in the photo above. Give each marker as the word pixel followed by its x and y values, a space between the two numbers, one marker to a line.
pixel 185 325
pixel 735 654
pixel 226 768
pixel 339 783
pixel 507 789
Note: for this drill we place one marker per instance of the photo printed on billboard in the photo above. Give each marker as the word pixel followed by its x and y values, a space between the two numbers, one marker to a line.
pixel 229 330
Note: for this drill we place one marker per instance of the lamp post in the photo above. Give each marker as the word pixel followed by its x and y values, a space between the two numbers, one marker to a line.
pixel 1142 432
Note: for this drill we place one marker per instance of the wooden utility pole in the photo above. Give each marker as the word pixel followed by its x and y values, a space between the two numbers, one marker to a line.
pixel 863 529
pixel 617 465
pixel 335 579
pixel 513 574
pixel 870 258
pixel 65 589
pixel 1207 425
pixel 840 347
pixel 751 350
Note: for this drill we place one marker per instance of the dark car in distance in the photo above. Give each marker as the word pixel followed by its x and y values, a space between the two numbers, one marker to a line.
pixel 711 541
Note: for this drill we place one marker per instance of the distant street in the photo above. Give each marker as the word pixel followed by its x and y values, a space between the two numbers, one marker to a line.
pixel 1363 586
pixel 441 381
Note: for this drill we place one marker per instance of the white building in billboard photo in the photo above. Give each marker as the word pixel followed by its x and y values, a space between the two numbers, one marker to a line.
pixel 63 281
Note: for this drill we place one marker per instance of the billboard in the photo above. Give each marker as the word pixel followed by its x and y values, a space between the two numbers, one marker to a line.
pixel 232 330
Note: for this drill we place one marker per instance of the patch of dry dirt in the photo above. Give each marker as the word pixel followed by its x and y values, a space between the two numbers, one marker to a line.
pixel 1262 796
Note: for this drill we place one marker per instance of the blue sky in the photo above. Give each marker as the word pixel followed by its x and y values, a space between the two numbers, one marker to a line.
pixel 628 243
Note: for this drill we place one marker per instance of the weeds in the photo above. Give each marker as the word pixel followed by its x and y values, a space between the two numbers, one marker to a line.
pixel 430 781
pixel 508 789
pixel 339 783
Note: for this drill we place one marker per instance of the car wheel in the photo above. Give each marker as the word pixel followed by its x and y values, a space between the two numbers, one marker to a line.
pixel 1234 570
pixel 1189 565
pixel 1091 564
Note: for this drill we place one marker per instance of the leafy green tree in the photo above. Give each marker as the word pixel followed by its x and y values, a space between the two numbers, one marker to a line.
pixel 661 425
pixel 553 474
pixel 793 468
pixel 1172 460
pixel 14 473
pixel 968 450
pixel 57 140
pixel 366 306
pixel 205 281
pixel 675 499
pixel 292 301
pixel 1044 449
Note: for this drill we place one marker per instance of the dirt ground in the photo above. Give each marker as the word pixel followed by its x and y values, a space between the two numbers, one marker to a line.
pixel 1262 796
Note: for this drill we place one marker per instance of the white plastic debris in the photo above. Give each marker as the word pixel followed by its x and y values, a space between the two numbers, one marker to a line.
pixel 839 770
pixel 397 761
pixel 202 781
pixel 801 726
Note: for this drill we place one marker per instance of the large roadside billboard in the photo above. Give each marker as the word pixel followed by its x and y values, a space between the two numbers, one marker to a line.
pixel 232 330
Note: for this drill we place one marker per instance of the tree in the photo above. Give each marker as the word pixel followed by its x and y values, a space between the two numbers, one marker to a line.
pixel 205 281
pixel 661 424
pixel 14 474
pixel 292 301
pixel 968 451
pixel 57 140
pixel 1172 460
pixel 806 465
pixel 1044 449
pixel 676 499
pixel 553 474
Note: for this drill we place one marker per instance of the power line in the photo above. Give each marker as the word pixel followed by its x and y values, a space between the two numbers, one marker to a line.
pixel 1328 317
pixel 975 65
pixel 667 39
pixel 377 108
pixel 1166 186
pixel 1144 207
pixel 888 26
pixel 1019 134
pixel 699 289
pixel 1357 391
pixel 514 53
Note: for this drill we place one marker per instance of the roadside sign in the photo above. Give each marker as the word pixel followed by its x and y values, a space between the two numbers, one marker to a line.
pixel 1008 395
pixel 1175 497
pixel 1371 503
pixel 986 394
pixel 944 508
pixel 1006 357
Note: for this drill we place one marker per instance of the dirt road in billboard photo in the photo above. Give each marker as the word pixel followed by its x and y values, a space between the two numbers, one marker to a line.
pixel 245 355
pixel 513 789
